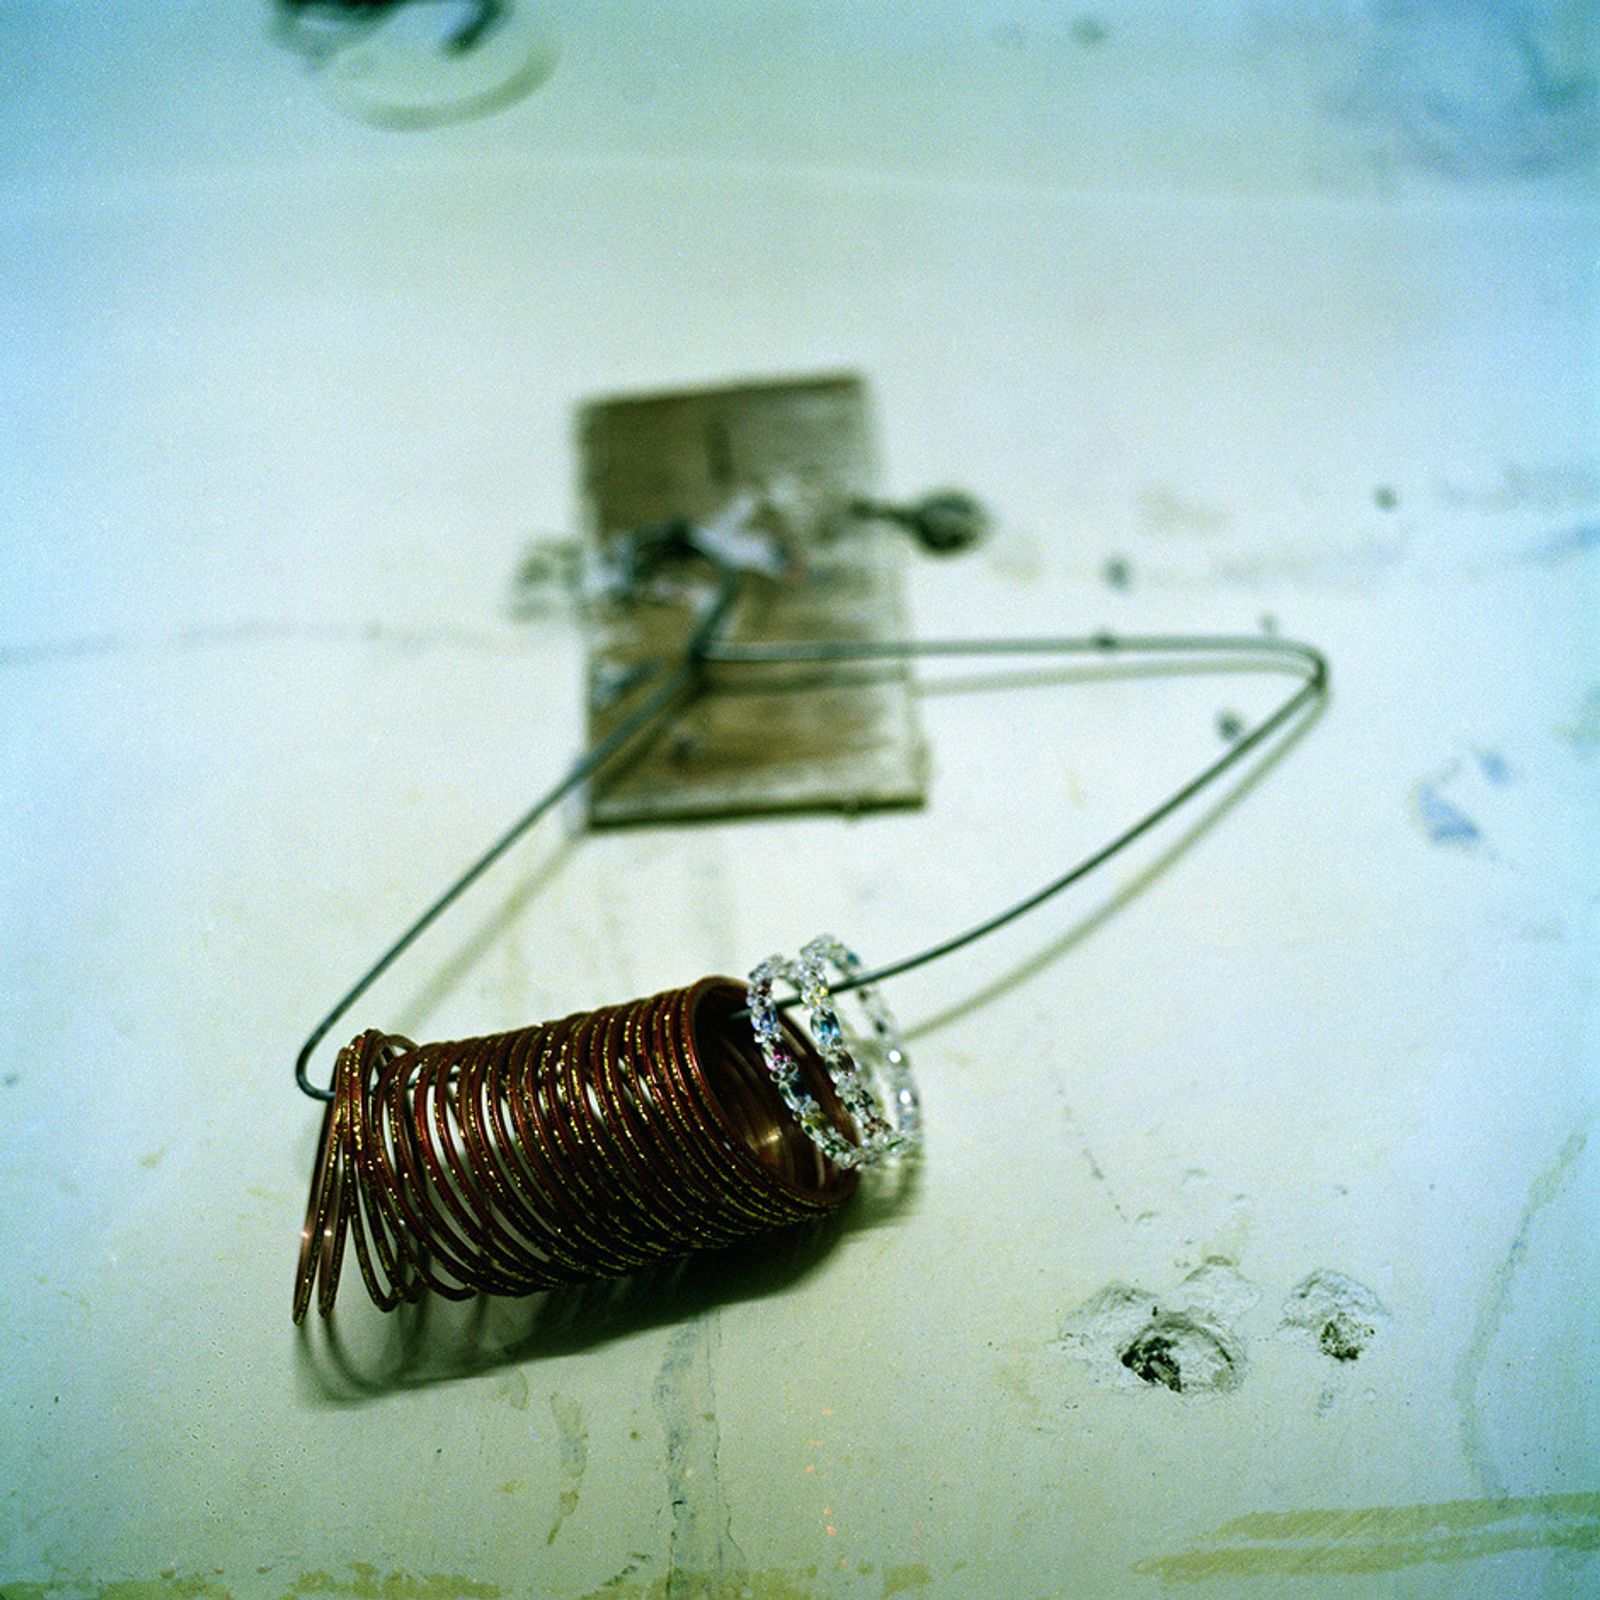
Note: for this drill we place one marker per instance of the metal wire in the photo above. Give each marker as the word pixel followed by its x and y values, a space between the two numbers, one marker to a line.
pixel 1313 686
pixel 704 649
pixel 648 712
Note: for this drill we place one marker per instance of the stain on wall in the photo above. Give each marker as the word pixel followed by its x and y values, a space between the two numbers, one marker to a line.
pixel 1546 488
pixel 1558 548
pixel 358 1581
pixel 1583 732
pixel 1165 510
pixel 572 1452
pixel 1382 1538
pixel 903 1579
pixel 1474 91
pixel 512 1388
pixel 369 1583
pixel 1440 817
pixel 1492 1309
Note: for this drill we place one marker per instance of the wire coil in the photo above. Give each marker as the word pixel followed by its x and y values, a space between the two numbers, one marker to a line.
pixel 576 1149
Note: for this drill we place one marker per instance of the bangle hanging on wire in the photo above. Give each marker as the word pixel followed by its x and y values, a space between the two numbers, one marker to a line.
pixel 885 1111
pixel 586 1147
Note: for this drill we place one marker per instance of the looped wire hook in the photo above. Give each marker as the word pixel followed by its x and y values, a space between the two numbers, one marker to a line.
pixel 705 648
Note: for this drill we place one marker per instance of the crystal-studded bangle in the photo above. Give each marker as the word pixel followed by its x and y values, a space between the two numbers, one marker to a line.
pixel 881 1100
pixel 884 1055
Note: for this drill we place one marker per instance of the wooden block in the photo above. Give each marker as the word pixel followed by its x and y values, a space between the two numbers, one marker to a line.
pixel 757 739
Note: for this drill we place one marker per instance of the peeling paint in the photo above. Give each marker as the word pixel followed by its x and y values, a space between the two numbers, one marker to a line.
pixel 1339 1315
pixel 701 1548
pixel 1186 1341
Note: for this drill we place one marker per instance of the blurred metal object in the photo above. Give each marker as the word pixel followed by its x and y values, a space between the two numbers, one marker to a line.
pixel 295 15
pixel 421 63
pixel 945 522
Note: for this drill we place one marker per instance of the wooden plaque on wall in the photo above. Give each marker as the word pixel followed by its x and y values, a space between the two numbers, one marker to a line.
pixel 839 737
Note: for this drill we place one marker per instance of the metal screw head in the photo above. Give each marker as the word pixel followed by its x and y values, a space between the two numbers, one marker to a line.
pixel 945 522
pixel 949 521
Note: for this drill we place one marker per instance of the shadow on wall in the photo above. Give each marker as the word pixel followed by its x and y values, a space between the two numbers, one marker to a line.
pixel 360 1353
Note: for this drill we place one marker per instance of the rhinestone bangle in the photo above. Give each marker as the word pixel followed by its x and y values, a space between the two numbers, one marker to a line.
pixel 872 1075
